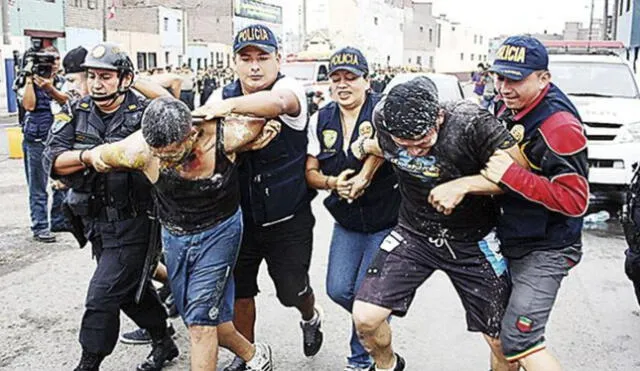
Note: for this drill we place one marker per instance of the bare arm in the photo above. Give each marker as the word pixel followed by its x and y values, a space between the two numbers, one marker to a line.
pixel 150 89
pixel 69 162
pixel 29 98
pixel 268 104
pixel 364 146
pixel 315 178
pixel 240 131
pixel 130 153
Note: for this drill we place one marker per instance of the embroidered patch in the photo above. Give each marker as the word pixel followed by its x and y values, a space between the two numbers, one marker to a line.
pixel 524 324
pixel 392 241
pixel 132 107
pixel 59 122
pixel 366 129
pixel 329 138
pixel 517 132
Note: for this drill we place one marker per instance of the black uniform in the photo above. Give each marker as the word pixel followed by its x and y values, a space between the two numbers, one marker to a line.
pixel 631 225
pixel 114 208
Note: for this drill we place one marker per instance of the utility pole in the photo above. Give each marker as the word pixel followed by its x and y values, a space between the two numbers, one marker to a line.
pixel 104 20
pixel 591 24
pixel 605 19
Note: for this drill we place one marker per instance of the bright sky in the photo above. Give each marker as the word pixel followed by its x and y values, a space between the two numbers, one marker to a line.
pixel 495 17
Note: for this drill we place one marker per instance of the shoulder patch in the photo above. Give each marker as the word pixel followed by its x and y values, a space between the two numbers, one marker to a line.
pixel 132 107
pixel 563 134
pixel 84 105
pixel 60 121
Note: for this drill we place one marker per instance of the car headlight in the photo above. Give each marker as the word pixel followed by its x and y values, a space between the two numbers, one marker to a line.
pixel 629 133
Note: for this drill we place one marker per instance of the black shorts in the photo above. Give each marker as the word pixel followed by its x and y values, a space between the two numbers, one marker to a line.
pixel 286 247
pixel 477 270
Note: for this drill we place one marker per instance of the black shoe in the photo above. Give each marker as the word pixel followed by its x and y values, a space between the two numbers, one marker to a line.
pixel 311 334
pixel 237 364
pixel 44 236
pixel 141 336
pixel 164 350
pixel 89 362
pixel 170 303
pixel 400 365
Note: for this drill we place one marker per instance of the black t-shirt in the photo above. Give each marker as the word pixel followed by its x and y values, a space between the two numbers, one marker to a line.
pixel 466 141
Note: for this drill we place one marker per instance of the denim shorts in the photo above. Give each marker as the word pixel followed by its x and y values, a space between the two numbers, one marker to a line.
pixel 200 268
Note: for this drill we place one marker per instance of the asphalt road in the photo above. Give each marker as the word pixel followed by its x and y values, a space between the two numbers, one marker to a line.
pixel 595 326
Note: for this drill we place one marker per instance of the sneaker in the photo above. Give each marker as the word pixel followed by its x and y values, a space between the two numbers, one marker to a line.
pixel 262 360
pixel 311 334
pixel 164 350
pixel 141 336
pixel 400 365
pixel 356 368
pixel 89 362
pixel 44 236
pixel 236 365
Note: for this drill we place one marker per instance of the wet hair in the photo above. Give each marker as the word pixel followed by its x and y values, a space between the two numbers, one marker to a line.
pixel 410 110
pixel 165 121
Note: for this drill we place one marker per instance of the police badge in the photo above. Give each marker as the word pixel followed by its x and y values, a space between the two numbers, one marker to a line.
pixel 517 132
pixel 329 138
pixel 366 129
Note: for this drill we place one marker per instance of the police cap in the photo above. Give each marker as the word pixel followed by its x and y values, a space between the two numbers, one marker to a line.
pixel 108 56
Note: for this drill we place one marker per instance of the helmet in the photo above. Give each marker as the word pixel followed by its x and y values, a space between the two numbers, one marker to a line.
pixel 109 56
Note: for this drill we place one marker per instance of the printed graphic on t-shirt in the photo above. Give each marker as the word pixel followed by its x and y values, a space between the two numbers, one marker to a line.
pixel 424 168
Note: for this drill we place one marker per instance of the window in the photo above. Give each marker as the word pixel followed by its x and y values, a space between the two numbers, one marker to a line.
pixel 431 62
pixel 375 21
pixel 198 63
pixel 453 28
pixel 421 29
pixel 142 61
pixel 628 5
pixel 462 56
pixel 212 60
pixel 166 24
pixel 152 60
pixel 480 39
pixel 217 20
pixel 409 60
pixel 401 28
pixel 472 56
pixel 205 63
pixel 179 60
pixel 179 25
pixel 430 34
pixel 92 4
pixel 167 56
pixel 439 31
pixel 621 6
pixel 77 3
pixel 419 60
pixel 475 40
pixel 189 62
pixel 228 60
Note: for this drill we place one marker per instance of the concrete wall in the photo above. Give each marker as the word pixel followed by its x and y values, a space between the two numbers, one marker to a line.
pixel 36 15
pixel 420 35
pixel 172 39
pixel 629 25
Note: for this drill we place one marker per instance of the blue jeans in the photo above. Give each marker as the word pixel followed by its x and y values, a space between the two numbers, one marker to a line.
pixel 200 268
pixel 350 254
pixel 37 180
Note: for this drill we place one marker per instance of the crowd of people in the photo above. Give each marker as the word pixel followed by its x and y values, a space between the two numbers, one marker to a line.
pixel 196 198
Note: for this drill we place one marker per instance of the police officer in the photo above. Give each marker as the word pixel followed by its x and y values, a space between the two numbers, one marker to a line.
pixel 631 225
pixel 275 199
pixel 364 198
pixel 114 208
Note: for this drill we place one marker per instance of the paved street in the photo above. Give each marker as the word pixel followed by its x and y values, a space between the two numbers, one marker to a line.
pixel 596 325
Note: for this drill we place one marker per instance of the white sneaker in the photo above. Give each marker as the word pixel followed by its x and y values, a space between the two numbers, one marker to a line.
pixel 262 360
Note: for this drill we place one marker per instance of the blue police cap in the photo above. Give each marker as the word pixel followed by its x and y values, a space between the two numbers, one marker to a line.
pixel 256 35
pixel 519 56
pixel 349 59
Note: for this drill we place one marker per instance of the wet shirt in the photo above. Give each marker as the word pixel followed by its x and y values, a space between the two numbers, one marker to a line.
pixel 466 141
pixel 190 206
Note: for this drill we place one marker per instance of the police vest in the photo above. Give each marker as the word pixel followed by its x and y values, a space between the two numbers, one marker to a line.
pixel 272 180
pixel 525 225
pixel 38 122
pixel 118 195
pixel 377 208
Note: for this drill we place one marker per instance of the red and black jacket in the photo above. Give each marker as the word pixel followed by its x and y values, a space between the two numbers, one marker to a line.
pixel 543 206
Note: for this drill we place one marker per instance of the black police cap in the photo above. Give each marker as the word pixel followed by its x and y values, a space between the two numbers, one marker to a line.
pixel 74 59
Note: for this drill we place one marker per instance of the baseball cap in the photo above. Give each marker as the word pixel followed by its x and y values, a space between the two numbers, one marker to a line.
pixel 519 56
pixel 349 59
pixel 256 35
pixel 74 59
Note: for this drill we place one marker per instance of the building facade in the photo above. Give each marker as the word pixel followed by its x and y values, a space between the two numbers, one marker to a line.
pixel 420 36
pixel 458 48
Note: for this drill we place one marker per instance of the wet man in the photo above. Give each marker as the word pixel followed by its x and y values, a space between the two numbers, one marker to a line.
pixel 430 144
pixel 540 226
pixel 275 199
pixel 194 174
